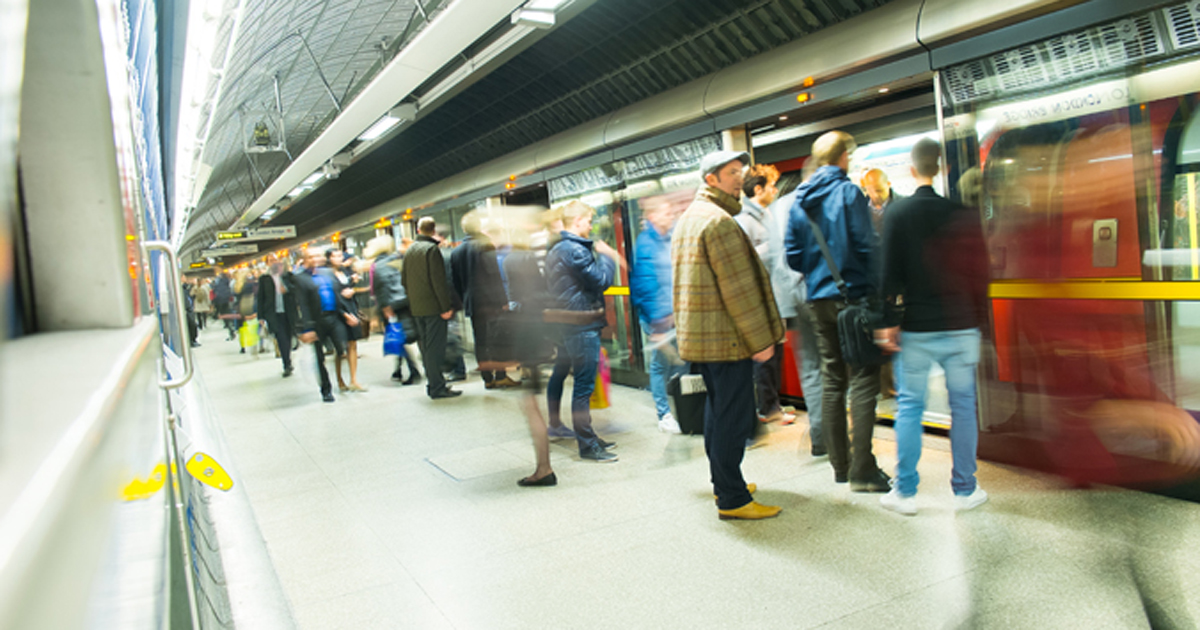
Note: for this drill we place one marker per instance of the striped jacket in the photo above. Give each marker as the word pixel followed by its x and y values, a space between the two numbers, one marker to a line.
pixel 724 307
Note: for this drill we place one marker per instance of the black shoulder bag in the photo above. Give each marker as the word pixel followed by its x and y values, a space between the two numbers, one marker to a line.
pixel 858 321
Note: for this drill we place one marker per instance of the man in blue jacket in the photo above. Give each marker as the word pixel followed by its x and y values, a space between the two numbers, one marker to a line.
pixel 842 212
pixel 651 291
pixel 578 271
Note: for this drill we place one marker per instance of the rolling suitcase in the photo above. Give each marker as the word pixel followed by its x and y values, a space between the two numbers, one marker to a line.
pixel 688 396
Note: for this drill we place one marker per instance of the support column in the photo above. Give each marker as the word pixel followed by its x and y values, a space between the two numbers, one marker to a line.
pixel 738 139
pixel 74 211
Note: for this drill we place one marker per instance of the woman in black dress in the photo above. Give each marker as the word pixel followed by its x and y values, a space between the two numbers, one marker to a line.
pixel 348 318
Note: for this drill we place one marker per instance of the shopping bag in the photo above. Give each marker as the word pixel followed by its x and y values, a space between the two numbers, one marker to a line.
pixel 393 339
pixel 600 395
pixel 248 334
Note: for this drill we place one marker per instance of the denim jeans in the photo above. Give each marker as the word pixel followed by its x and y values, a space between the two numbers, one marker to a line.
pixel 957 351
pixel 664 365
pixel 582 357
pixel 808 357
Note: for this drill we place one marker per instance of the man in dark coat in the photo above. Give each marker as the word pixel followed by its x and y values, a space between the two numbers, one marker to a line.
pixel 276 306
pixel 431 301
pixel 475 273
pixel 314 298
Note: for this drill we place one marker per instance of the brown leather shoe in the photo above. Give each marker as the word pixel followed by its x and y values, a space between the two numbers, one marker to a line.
pixel 752 511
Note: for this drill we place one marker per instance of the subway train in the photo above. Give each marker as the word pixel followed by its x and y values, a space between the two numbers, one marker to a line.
pixel 1071 125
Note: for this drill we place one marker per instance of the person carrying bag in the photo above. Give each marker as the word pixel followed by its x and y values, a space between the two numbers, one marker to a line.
pixel 858 321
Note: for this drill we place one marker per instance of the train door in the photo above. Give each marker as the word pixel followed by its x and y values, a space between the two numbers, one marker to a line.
pixel 1087 199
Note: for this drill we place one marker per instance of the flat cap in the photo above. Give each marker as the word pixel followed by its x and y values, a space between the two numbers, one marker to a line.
pixel 713 162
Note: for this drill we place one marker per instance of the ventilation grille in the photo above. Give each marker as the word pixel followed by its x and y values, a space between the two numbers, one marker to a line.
pixel 1072 56
pixel 1183 22
pixel 968 82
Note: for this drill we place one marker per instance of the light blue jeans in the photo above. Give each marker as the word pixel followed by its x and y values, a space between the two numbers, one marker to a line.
pixel 957 351
pixel 661 371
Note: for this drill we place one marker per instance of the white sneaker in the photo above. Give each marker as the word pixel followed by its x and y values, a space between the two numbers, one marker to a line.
pixel 970 501
pixel 668 424
pixel 895 502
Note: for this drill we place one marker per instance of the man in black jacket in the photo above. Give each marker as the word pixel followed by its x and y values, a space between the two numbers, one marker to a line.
pixel 276 306
pixel 314 298
pixel 936 267
pixel 430 298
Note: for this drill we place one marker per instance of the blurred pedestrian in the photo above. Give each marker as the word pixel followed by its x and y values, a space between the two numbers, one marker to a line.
pixel 277 307
pixel 392 301
pixel 202 302
pixel 317 306
pixel 475 273
pixel 349 319
pixel 650 291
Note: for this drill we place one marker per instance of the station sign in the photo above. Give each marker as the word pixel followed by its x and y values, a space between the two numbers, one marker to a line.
pixel 258 234
pixel 199 265
pixel 231 250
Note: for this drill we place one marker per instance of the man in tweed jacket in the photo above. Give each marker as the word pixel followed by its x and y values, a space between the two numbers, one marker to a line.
pixel 725 319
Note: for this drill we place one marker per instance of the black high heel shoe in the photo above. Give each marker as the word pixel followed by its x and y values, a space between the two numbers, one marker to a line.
pixel 548 480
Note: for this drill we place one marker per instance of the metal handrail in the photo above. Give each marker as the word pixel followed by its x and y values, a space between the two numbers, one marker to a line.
pixel 175 290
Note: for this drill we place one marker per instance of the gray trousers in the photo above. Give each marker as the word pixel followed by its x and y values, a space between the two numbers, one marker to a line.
pixel 431 338
pixel 808 359
pixel 849 455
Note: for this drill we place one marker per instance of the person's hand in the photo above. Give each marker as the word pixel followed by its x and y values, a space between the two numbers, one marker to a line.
pixel 351 320
pixel 764 355
pixel 448 314
pixel 388 313
pixel 888 339
pixel 308 337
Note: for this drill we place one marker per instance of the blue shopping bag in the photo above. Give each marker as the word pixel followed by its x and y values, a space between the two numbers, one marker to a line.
pixel 393 339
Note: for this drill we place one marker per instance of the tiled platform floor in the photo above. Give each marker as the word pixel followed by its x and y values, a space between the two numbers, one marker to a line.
pixel 388 510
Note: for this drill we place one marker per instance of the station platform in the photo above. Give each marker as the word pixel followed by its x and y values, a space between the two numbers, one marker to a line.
pixel 389 510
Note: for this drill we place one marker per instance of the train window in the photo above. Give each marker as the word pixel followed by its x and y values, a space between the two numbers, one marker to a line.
pixel 1184 228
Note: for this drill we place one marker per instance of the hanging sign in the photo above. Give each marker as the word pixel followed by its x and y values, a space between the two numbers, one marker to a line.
pixel 258 234
pixel 232 250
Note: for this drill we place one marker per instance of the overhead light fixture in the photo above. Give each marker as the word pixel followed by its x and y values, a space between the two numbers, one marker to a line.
pixel 533 18
pixel 299 190
pixel 396 115
pixel 379 128
pixel 312 179
pixel 883 90
pixel 783 118
pixel 545 5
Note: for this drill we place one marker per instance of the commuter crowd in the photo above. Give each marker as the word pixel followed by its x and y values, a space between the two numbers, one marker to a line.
pixel 716 284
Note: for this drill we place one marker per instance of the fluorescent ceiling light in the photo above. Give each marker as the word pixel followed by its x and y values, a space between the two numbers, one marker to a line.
pixel 533 19
pixel 312 179
pixel 379 128
pixel 299 190
pixel 545 5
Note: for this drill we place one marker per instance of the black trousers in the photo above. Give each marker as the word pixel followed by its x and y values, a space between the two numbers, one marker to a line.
pixel 728 422
pixel 319 348
pixel 283 336
pixel 848 455
pixel 431 338
pixel 768 376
